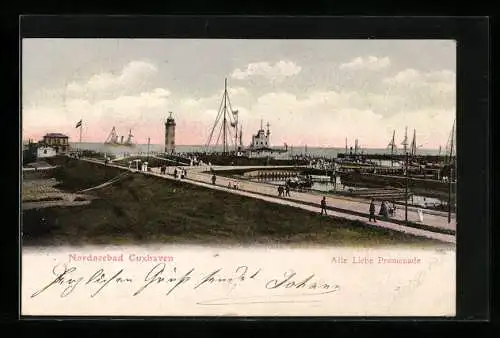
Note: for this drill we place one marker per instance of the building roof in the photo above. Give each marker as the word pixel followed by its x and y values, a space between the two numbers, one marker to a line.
pixel 55 135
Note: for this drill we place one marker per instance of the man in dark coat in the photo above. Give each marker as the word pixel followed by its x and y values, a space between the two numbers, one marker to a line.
pixel 372 211
pixel 323 206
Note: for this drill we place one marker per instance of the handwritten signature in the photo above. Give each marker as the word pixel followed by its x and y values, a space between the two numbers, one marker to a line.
pixel 67 279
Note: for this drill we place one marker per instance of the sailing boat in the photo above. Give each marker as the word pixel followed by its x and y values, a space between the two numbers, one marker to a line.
pixel 240 136
pixel 392 144
pixel 450 145
pixel 405 141
pixel 129 139
pixel 413 147
pixel 113 139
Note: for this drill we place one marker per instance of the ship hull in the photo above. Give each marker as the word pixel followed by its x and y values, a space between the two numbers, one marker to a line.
pixel 120 145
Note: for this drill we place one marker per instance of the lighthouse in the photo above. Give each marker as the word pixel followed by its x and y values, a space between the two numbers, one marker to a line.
pixel 170 135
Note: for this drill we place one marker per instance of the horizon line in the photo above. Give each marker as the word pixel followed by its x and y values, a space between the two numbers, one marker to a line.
pixel 289 146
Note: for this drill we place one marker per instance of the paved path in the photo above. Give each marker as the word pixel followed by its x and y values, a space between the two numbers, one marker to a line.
pixel 348 198
pixel 430 219
pixel 198 178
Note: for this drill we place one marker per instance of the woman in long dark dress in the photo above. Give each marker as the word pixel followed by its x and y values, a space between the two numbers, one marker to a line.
pixel 383 210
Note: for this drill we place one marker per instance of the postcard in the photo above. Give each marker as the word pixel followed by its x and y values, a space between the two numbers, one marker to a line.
pixel 220 177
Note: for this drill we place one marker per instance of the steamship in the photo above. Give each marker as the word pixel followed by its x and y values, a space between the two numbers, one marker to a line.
pixel 260 145
pixel 114 139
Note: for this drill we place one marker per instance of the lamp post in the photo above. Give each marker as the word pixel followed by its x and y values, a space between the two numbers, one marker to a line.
pixel 406 188
pixel 149 141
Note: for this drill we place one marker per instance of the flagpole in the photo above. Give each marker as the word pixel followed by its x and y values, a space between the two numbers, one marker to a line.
pixel 81 126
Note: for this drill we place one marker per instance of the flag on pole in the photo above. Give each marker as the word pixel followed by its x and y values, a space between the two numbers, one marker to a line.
pixel 79 124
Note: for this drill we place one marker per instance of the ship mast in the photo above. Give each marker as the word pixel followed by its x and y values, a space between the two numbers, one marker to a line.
pixel 241 136
pixel 224 139
pixel 414 144
pixel 392 144
pixel 226 117
pixel 405 141
pixel 112 137
pixel 268 132
pixel 235 126
pixel 129 138
pixel 450 165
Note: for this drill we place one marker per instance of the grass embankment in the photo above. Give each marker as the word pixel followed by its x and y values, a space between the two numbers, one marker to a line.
pixel 148 209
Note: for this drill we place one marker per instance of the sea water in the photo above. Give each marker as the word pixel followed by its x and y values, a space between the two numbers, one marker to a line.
pixel 292 151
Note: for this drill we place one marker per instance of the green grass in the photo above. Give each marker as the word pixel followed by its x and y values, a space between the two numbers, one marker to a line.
pixel 142 209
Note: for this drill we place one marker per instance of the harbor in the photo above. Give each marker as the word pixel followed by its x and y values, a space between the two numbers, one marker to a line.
pixel 241 176
pixel 418 187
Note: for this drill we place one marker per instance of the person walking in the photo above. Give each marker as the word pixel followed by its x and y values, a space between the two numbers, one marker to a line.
pixel 280 191
pixel 420 215
pixel 383 210
pixel 323 206
pixel 287 190
pixel 372 212
pixel 213 179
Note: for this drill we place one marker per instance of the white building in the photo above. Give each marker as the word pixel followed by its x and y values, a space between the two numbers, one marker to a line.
pixel 45 151
pixel 261 139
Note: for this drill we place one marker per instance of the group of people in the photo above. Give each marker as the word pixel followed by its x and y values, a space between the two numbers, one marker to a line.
pixel 283 191
pixel 178 172
pixel 181 173
pixel 385 210
pixel 233 185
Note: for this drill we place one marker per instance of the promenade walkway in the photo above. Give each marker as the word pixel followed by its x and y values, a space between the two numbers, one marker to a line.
pixel 306 201
pixel 434 219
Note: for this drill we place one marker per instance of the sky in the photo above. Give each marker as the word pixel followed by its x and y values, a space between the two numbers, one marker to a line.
pixel 311 92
